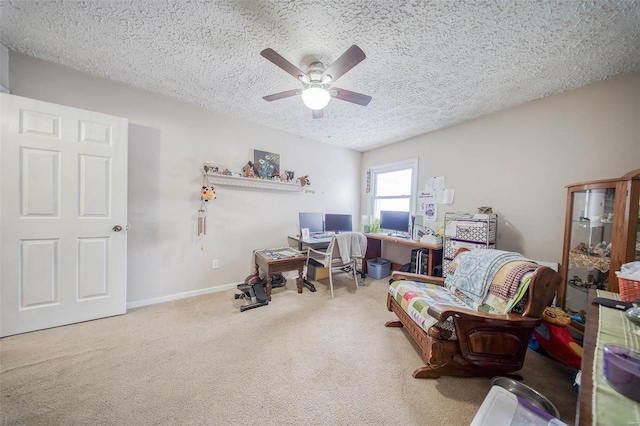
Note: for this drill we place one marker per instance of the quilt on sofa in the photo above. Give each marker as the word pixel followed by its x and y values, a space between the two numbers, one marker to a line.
pixel 416 297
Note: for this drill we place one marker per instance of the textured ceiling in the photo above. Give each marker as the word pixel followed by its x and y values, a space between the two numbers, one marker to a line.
pixel 430 64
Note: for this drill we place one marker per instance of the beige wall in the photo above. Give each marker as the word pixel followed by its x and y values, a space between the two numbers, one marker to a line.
pixel 168 142
pixel 517 161
pixel 520 160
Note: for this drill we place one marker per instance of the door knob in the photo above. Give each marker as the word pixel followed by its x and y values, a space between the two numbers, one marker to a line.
pixel 117 228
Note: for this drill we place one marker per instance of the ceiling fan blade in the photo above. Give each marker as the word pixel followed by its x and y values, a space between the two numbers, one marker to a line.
pixel 281 62
pixel 349 96
pixel 349 59
pixel 317 113
pixel 282 95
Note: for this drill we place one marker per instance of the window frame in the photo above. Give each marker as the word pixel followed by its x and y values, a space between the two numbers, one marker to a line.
pixel 411 164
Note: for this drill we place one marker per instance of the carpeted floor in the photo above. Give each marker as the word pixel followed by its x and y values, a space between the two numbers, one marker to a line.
pixel 303 359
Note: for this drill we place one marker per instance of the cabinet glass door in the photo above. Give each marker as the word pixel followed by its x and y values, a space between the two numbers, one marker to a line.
pixel 590 245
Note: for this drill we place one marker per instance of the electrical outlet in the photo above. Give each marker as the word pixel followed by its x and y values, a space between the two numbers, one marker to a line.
pixel 214 264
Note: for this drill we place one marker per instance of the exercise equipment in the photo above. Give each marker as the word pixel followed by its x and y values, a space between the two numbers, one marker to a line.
pixel 253 289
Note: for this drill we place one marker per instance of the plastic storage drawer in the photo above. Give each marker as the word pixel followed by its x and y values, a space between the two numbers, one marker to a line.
pixel 471 230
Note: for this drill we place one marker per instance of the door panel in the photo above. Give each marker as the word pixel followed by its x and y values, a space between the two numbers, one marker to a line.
pixel 93 268
pixel 63 188
pixel 39 270
pixel 39 182
pixel 95 186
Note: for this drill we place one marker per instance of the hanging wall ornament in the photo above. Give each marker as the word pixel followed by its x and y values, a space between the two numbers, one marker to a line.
pixel 208 193
pixel 368 180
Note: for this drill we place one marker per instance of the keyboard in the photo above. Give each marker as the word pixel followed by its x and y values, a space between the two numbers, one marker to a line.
pixel 320 236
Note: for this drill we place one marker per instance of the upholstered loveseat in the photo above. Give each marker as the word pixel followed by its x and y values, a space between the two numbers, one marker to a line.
pixel 478 320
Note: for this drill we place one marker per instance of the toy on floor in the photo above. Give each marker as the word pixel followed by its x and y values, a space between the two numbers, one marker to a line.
pixel 554 337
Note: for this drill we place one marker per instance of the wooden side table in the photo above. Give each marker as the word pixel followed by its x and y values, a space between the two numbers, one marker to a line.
pixel 273 266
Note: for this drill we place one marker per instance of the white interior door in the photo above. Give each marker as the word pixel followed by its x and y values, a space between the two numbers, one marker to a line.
pixel 63 195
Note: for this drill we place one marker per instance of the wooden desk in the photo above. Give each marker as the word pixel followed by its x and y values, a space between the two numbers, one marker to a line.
pixel 374 249
pixel 302 244
pixel 273 266
pixel 626 410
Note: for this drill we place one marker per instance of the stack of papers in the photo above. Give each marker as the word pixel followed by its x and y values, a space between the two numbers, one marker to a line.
pixel 281 253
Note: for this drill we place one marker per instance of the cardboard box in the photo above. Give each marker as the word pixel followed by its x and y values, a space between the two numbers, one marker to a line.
pixel 316 271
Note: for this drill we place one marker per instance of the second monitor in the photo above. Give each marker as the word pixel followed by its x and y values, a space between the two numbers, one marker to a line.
pixel 397 222
pixel 338 222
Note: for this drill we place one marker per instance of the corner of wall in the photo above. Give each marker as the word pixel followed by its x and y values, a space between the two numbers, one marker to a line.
pixel 4 69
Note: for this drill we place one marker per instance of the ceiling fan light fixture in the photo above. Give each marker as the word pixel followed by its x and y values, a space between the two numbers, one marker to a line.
pixel 315 97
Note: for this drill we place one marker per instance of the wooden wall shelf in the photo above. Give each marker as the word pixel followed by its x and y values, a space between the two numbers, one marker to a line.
pixel 255 183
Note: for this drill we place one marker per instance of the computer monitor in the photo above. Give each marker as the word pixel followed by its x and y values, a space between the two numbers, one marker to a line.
pixel 312 221
pixel 394 221
pixel 337 222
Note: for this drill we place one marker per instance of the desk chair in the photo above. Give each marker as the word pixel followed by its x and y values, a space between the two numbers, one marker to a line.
pixel 341 254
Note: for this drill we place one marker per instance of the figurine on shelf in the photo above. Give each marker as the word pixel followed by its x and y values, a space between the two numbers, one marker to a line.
pixel 576 281
pixel 590 281
pixel 247 168
pixel 600 249
pixel 226 172
pixel 581 248
pixel 275 174
pixel 303 180
pixel 209 167
pixel 251 173
pixel 284 177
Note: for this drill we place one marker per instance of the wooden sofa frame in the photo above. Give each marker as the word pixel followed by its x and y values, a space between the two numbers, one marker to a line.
pixel 488 344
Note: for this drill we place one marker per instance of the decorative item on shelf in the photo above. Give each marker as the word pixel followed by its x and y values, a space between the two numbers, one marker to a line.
pixel 603 218
pixel 485 210
pixel 586 261
pixel 275 174
pixel 577 281
pixel 303 180
pixel 209 167
pixel 265 163
pixel 284 177
pixel 248 169
pixel 290 175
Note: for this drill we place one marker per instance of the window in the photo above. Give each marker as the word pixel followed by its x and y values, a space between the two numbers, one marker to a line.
pixel 394 187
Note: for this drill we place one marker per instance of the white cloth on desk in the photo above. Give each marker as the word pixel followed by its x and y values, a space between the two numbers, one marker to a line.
pixel 352 245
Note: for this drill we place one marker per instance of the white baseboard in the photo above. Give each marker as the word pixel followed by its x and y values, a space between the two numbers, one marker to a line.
pixel 179 296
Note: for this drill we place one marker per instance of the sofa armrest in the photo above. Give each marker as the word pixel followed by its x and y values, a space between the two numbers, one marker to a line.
pixel 417 277
pixel 441 312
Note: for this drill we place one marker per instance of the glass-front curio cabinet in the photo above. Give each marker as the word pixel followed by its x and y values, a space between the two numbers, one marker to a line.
pixel 602 232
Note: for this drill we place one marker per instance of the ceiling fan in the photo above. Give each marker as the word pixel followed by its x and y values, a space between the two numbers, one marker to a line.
pixel 317 80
